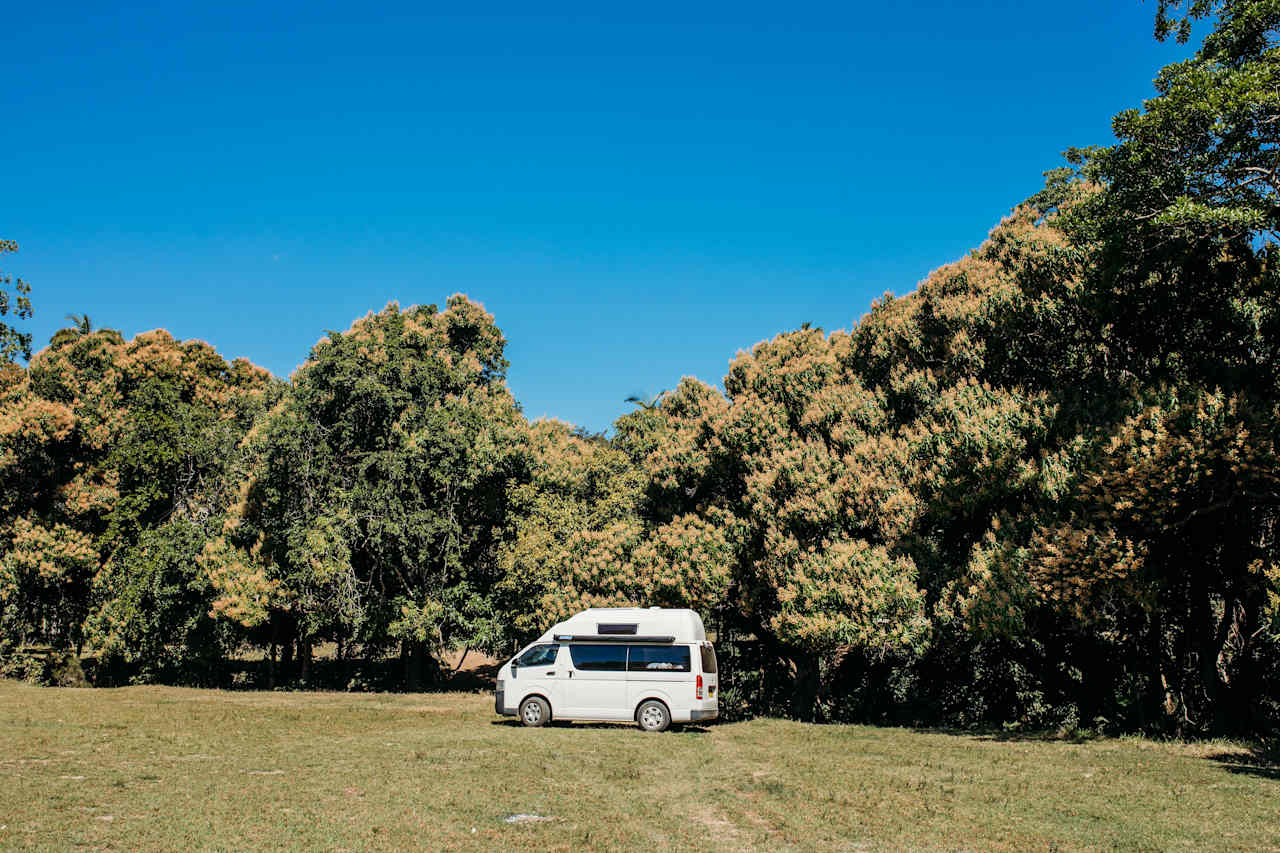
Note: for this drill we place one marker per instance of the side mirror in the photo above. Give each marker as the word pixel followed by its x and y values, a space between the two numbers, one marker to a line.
pixel 514 668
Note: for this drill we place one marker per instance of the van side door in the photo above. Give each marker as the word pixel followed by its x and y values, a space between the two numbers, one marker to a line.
pixel 597 685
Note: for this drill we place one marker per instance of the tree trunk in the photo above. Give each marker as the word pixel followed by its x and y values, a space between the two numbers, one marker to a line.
pixel 271 665
pixel 286 657
pixel 1161 703
pixel 807 674
pixel 1244 684
pixel 304 658
pixel 414 655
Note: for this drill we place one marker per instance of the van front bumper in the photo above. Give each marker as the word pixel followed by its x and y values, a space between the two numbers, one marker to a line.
pixel 499 707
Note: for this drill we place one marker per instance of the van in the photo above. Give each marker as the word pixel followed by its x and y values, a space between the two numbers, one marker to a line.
pixel 653 667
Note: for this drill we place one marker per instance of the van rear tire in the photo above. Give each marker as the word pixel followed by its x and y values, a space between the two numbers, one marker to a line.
pixel 653 716
pixel 535 712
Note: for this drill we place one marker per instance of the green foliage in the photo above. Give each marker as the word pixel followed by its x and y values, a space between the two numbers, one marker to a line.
pixel 101 441
pixel 1181 237
pixel 41 665
pixel 153 621
pixel 374 501
pixel 21 663
pixel 1166 538
pixel 576 494
pixel 13 341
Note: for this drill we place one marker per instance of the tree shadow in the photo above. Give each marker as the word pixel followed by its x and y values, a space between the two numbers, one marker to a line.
pixel 477 679
pixel 1262 761
pixel 351 675
pixel 995 735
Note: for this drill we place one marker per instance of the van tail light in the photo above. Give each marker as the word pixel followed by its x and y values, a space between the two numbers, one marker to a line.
pixel 698 693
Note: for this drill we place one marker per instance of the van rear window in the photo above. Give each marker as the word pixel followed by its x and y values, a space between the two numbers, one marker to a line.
pixel 708 658
pixel 599 658
pixel 658 659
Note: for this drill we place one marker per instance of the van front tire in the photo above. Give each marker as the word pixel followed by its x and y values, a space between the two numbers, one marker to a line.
pixel 653 716
pixel 535 712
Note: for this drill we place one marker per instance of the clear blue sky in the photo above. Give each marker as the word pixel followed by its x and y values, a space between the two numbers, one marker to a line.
pixel 636 191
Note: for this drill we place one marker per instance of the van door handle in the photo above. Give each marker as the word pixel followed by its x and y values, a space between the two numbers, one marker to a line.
pixel 551 672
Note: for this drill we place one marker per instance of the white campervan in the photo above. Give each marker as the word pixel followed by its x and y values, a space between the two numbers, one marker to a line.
pixel 651 666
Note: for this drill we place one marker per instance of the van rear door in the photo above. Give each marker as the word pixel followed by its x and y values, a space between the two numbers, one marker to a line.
pixel 710 675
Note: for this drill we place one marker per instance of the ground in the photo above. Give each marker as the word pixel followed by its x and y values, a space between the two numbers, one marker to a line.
pixel 169 768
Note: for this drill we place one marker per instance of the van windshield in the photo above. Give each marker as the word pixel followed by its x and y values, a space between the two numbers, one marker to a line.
pixel 708 658
pixel 539 655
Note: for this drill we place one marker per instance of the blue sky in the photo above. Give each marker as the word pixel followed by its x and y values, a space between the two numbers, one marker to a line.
pixel 635 191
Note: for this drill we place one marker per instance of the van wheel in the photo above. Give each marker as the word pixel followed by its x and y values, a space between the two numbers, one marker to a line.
pixel 535 712
pixel 653 716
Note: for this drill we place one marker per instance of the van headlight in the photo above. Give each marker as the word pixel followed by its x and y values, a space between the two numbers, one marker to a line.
pixel 498 685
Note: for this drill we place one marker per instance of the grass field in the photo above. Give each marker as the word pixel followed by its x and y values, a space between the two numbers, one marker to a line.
pixel 168 768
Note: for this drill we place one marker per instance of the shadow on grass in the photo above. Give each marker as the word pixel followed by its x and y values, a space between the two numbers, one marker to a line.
pixel 677 728
pixel 1073 736
pixel 350 675
pixel 479 679
pixel 1261 761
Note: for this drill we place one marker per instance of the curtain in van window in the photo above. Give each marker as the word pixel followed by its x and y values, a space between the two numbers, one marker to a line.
pixel 599 658
pixel 659 659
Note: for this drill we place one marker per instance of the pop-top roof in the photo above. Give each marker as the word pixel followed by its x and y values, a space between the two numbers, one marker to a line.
pixel 622 624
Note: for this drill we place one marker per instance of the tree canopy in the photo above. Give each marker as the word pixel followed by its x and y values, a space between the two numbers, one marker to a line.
pixel 377 492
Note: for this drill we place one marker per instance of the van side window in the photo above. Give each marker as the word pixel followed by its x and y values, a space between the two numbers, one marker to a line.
pixel 543 654
pixel 708 658
pixel 659 659
pixel 599 658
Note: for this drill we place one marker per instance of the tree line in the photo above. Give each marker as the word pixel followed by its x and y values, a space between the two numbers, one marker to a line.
pixel 1042 489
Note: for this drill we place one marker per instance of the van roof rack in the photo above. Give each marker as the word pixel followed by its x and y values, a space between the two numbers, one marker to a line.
pixel 614 638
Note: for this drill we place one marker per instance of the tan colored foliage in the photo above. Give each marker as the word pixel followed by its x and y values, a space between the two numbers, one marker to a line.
pixel 74 428
pixel 1163 470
